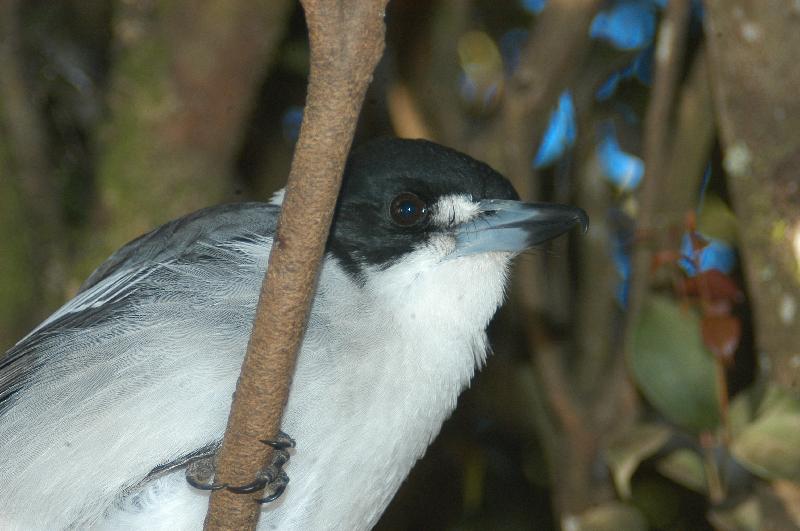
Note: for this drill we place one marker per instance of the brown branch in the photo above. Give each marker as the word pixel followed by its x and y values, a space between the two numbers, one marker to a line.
pixel 405 114
pixel 752 48
pixel 22 121
pixel 557 389
pixel 690 151
pixel 549 61
pixel 347 40
pixel 183 81
pixel 551 58
pixel 428 66
pixel 548 64
pixel 596 309
pixel 680 180
pixel 668 61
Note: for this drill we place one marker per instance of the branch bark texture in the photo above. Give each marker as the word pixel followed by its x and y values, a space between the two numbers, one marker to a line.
pixel 184 79
pixel 753 50
pixel 549 63
pixel 551 58
pixel 347 41
pixel 668 62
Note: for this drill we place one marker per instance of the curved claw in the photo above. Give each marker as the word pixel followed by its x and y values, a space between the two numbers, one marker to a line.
pixel 200 475
pixel 253 486
pixel 273 475
pixel 281 442
pixel 205 486
pixel 274 496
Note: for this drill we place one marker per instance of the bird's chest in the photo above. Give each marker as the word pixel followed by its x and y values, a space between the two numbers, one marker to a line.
pixel 362 413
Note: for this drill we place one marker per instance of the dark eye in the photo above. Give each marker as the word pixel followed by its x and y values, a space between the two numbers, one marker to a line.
pixel 407 209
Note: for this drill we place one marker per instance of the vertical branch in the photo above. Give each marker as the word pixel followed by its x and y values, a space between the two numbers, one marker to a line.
pixel 752 49
pixel 680 177
pixel 178 68
pixel 28 154
pixel 690 150
pixel 549 61
pixel 548 64
pixel 347 40
pixel 668 61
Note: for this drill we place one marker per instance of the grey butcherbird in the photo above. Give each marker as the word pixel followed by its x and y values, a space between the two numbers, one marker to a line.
pixel 104 403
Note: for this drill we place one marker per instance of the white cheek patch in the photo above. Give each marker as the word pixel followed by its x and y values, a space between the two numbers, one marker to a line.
pixel 450 210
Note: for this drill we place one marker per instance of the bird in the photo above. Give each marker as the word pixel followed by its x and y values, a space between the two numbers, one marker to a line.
pixel 106 403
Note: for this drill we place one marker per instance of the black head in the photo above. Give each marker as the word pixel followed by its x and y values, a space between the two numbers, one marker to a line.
pixel 388 189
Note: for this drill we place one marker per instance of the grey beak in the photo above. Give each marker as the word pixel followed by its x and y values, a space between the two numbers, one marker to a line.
pixel 512 226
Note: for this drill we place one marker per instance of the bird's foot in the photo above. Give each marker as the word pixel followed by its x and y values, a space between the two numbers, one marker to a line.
pixel 281 442
pixel 201 471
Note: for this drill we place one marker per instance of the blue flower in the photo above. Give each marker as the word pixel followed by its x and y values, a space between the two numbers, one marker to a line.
pixel 609 86
pixel 511 44
pixel 715 255
pixel 560 134
pixel 621 168
pixel 534 6
pixel 642 66
pixel 627 25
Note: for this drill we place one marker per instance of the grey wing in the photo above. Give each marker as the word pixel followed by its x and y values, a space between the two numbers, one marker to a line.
pixel 105 293
pixel 149 349
pixel 220 223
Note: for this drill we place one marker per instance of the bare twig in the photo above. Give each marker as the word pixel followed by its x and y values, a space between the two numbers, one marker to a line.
pixel 691 147
pixel 669 54
pixel 23 123
pixel 548 64
pixel 680 178
pixel 557 389
pixel 347 40
pixel 668 61
pixel 550 59
pixel 406 116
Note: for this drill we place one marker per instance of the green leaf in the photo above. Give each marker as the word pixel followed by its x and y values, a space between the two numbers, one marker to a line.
pixel 789 495
pixel 717 220
pixel 612 516
pixel 672 367
pixel 626 452
pixel 742 409
pixel 770 445
pixel 745 516
pixel 685 468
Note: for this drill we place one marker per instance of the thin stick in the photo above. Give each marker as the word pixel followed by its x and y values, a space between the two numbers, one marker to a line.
pixel 669 58
pixel 347 40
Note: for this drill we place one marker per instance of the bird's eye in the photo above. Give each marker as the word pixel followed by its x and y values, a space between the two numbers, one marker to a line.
pixel 407 209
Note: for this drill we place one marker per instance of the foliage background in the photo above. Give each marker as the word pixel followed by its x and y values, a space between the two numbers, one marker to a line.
pixel 644 375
